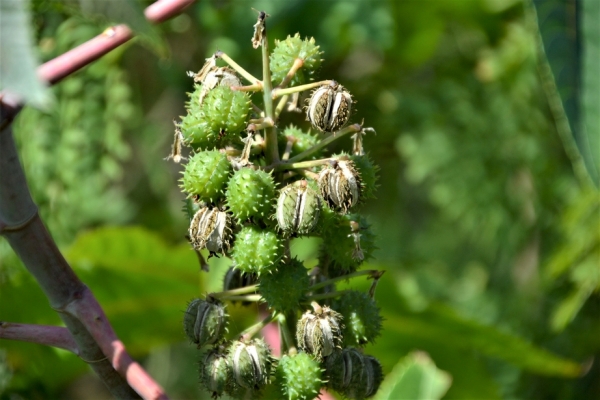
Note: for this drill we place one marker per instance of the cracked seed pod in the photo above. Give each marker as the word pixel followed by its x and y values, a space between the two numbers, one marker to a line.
pixel 287 51
pixel 347 242
pixel 256 251
pixel 352 374
pixel 205 175
pixel 362 319
pixel 211 229
pixel 222 76
pixel 250 194
pixel 283 288
pixel 205 321
pixel 340 184
pixel 298 208
pixel 329 107
pixel 319 333
pixel 299 377
pixel 215 372
pixel 251 363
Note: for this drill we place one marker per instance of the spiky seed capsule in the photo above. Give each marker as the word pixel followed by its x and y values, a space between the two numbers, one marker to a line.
pixel 329 107
pixel 226 111
pixel 354 375
pixel 215 372
pixel 211 229
pixel 284 288
pixel 371 379
pixel 251 363
pixel 299 377
pixel 256 250
pixel 298 208
pixel 318 333
pixel 347 242
pixel 287 51
pixel 340 185
pixel 250 194
pixel 362 319
pixel 301 140
pixel 205 321
pixel 205 175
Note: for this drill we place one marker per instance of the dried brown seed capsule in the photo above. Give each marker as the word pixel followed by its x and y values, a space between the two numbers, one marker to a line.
pixel 251 363
pixel 205 321
pixel 329 107
pixel 319 332
pixel 211 228
pixel 298 208
pixel 340 185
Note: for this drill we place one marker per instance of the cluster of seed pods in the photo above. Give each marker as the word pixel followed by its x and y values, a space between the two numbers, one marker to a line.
pixel 241 207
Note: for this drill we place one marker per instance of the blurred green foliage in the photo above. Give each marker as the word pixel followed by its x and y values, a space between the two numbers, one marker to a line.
pixel 490 240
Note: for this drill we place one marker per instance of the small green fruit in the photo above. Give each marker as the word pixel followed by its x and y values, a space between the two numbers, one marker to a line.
pixel 205 175
pixel 215 372
pixel 299 377
pixel 256 250
pixel 250 194
pixel 251 363
pixel 298 208
pixel 362 318
pixel 283 288
pixel 287 51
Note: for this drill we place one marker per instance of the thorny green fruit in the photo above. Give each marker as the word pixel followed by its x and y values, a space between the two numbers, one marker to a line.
pixel 250 194
pixel 287 51
pixel 205 175
pixel 256 250
pixel 283 288
pixel 362 319
pixel 299 377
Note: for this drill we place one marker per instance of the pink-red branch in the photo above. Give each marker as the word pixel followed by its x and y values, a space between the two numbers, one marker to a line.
pixel 55 336
pixel 87 309
pixel 162 10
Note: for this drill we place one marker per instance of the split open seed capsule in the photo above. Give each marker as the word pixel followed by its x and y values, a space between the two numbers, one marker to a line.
pixel 319 333
pixel 205 321
pixel 329 107
pixel 340 185
pixel 211 229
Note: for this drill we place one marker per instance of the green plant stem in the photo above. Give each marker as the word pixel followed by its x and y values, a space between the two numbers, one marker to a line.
pixel 254 329
pixel 234 292
pixel 271 152
pixel 374 273
pixel 299 165
pixel 277 92
pixel 254 298
pixel 280 105
pixel 298 63
pixel 249 77
pixel 288 339
pixel 325 142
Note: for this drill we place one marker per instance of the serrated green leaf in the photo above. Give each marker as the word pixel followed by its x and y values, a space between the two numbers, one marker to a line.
pixel 18 68
pixel 415 377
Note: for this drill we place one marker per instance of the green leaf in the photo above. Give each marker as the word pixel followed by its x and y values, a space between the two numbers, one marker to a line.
pixel 142 283
pixel 590 86
pixel 127 12
pixel 415 377
pixel 440 326
pixel 18 69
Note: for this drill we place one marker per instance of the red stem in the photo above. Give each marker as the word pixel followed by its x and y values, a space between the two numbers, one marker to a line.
pixel 55 336
pixel 162 10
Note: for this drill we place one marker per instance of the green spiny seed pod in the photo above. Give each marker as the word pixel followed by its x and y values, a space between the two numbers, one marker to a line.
pixel 354 375
pixel 371 379
pixel 319 333
pixel 302 141
pixel 299 377
pixel 256 251
pixel 347 242
pixel 298 208
pixel 211 229
pixel 329 107
pixel 283 288
pixel 250 194
pixel 368 175
pixel 226 110
pixel 251 363
pixel 285 54
pixel 196 129
pixel 205 175
pixel 362 319
pixel 215 372
pixel 205 321
pixel 340 184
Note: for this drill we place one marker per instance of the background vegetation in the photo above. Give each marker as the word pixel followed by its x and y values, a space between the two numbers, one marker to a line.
pixel 487 216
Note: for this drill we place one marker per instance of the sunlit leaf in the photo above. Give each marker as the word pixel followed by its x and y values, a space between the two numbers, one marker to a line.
pixel 415 377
